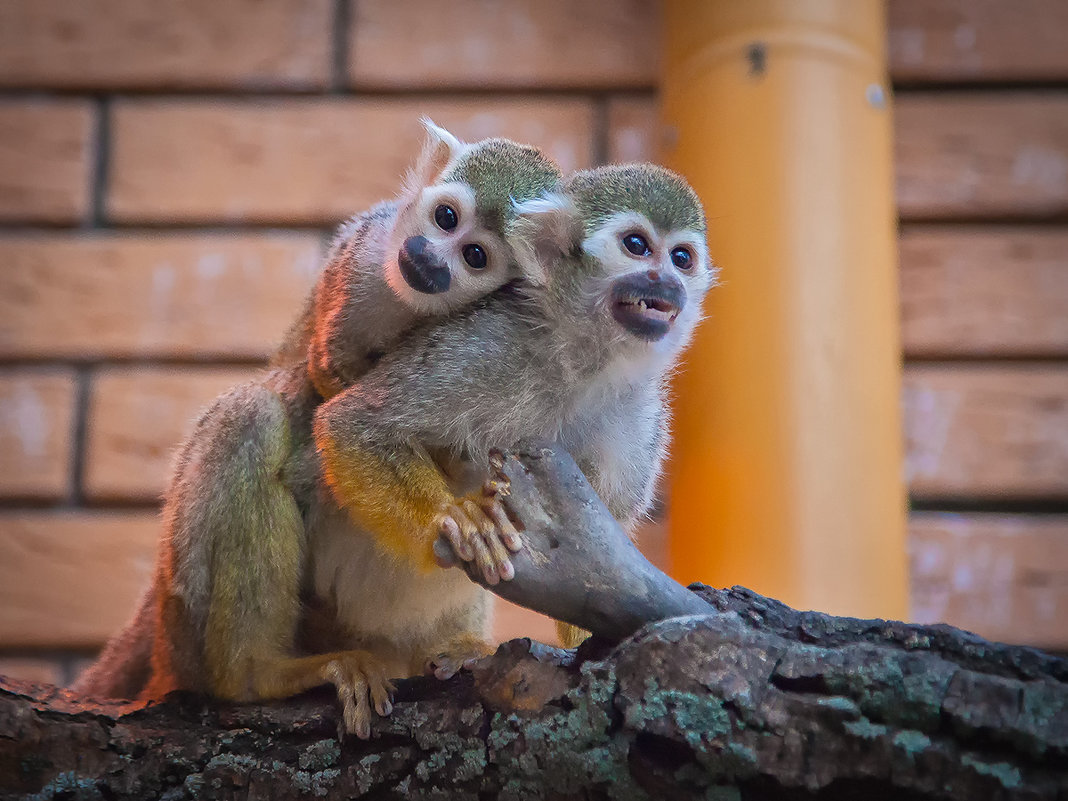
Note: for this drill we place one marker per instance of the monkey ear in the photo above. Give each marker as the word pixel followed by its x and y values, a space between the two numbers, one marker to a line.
pixel 545 228
pixel 440 148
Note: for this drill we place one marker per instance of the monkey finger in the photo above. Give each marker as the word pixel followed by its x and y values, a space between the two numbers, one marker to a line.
pixel 474 512
pixel 460 545
pixel 491 535
pixel 509 535
pixel 381 695
pixel 362 715
pixel 485 562
pixel 444 668
pixel 468 527
pixel 499 554
pixel 491 538
pixel 346 697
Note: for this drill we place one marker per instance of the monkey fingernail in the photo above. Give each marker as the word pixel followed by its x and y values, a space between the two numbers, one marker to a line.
pixel 506 570
pixel 450 529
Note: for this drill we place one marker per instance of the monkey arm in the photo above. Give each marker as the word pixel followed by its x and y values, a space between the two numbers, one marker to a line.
pixel 388 483
pixel 454 387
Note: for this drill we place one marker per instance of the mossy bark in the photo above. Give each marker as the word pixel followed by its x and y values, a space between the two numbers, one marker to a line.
pixel 751 701
pixel 742 698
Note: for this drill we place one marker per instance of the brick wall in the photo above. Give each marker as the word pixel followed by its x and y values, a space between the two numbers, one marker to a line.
pixel 169 174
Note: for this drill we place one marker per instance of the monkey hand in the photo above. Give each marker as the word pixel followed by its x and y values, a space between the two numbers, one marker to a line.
pixel 361 680
pixel 476 528
pixel 462 652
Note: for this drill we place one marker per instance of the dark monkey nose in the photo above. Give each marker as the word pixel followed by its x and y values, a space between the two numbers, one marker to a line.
pixel 423 271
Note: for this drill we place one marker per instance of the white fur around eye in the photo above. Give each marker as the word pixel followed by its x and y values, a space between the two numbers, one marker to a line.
pixel 459 196
pixel 606 243
pixel 698 247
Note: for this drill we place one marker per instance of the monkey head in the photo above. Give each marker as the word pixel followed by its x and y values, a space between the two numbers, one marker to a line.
pixel 448 245
pixel 626 259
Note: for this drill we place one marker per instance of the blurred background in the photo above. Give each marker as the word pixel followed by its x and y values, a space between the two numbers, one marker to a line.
pixel 171 172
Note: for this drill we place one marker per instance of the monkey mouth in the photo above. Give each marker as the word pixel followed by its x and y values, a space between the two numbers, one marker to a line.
pixel 647 311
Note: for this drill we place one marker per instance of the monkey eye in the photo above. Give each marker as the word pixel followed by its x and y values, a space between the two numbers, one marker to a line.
pixel 682 258
pixel 475 256
pixel 636 244
pixel 446 217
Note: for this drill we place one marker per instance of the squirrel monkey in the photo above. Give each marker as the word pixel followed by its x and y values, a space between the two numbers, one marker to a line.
pixel 583 358
pixel 263 586
pixel 436 247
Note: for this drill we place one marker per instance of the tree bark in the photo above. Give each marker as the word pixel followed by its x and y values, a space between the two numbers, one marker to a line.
pixel 740 698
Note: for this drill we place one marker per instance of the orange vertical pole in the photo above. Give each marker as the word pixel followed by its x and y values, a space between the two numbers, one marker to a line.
pixel 786 467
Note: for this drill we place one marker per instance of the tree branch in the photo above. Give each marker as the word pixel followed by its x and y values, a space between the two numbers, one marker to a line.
pixel 748 699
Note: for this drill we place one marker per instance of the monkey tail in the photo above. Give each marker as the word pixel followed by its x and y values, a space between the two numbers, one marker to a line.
pixel 124 666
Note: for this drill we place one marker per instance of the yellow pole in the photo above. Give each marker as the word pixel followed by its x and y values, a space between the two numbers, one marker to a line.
pixel 786 468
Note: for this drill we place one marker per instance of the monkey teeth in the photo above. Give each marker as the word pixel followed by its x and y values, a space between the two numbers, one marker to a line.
pixel 653 309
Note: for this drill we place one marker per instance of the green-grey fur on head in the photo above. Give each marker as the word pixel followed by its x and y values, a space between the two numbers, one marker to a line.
pixel 502 172
pixel 663 196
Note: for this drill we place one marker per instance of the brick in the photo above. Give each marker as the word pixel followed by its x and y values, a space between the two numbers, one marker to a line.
pixel 982 156
pixel 28 668
pixel 1004 577
pixel 977 40
pixel 524 43
pixel 70 579
pixel 36 432
pixel 44 160
pixel 137 418
pixel 246 44
pixel 986 431
pixel 161 295
pixel 633 126
pixel 305 161
pixel 984 291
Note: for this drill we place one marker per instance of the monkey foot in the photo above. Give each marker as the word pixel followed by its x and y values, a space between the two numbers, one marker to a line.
pixel 361 680
pixel 461 653
pixel 478 529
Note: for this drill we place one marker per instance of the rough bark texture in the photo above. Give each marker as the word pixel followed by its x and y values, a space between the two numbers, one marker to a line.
pixel 752 701
pixel 743 698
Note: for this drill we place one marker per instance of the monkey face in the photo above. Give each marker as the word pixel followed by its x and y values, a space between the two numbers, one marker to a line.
pixel 447 255
pixel 448 246
pixel 626 261
pixel 651 275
